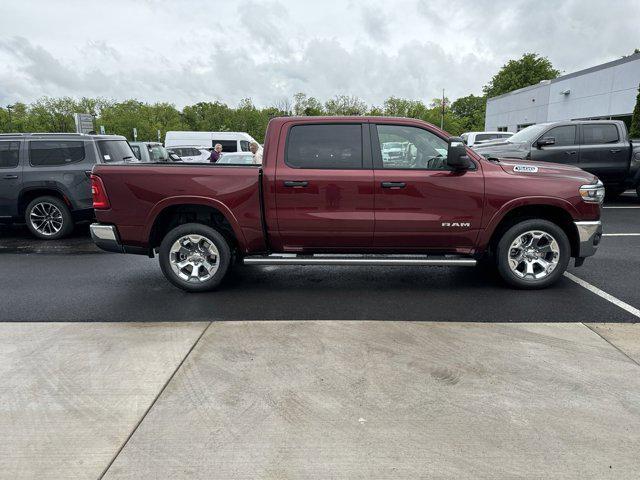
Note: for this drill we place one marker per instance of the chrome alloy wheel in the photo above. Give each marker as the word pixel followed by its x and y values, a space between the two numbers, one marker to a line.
pixel 534 255
pixel 194 258
pixel 46 218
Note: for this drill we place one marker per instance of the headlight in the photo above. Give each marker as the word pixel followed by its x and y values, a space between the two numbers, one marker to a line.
pixel 593 193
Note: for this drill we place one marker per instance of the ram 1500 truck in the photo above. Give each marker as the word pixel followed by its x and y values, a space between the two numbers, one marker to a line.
pixel 326 195
pixel 601 147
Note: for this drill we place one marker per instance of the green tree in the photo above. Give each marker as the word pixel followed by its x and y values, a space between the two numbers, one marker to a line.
pixel 470 111
pixel 528 70
pixel 345 105
pixel 634 131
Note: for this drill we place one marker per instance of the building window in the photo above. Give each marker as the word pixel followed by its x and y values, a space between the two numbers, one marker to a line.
pixel 524 125
pixel 502 129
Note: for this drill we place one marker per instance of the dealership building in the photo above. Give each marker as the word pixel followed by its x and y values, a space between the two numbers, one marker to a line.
pixel 605 91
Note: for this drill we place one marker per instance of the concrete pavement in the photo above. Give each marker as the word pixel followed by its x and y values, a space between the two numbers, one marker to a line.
pixel 319 400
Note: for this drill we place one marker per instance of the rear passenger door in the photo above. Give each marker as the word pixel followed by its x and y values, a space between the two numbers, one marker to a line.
pixel 10 177
pixel 566 149
pixel 324 186
pixel 603 152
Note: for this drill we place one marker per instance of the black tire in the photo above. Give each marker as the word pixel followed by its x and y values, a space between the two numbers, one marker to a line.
pixel 211 235
pixel 56 211
pixel 503 252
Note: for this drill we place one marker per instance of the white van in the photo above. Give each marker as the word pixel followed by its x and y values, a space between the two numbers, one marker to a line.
pixel 474 138
pixel 230 141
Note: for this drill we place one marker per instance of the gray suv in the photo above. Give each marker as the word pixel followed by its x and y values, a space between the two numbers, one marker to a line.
pixel 44 178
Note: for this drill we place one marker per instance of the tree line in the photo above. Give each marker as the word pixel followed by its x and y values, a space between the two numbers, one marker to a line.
pixel 121 117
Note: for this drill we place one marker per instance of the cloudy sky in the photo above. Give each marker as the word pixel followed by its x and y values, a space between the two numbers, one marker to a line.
pixel 185 51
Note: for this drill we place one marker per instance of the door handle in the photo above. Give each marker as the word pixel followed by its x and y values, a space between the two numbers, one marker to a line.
pixel 572 152
pixel 10 177
pixel 296 183
pixel 393 184
pixel 614 150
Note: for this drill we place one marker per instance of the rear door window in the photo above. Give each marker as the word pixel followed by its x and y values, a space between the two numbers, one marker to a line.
pixel 599 133
pixel 244 145
pixel 331 146
pixel 9 154
pixel 564 135
pixel 48 153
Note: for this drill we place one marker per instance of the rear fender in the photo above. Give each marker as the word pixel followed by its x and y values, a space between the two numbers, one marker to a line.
pixel 195 200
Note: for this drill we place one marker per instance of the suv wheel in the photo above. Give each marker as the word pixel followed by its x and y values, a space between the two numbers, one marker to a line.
pixel 194 257
pixel 533 254
pixel 48 218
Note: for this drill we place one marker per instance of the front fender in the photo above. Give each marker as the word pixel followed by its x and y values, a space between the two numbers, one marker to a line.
pixel 491 225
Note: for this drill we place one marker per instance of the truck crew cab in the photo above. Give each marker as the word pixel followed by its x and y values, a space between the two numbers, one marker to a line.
pixel 326 195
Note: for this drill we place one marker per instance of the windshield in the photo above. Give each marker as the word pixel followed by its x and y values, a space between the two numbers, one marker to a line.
pixel 114 151
pixel 529 134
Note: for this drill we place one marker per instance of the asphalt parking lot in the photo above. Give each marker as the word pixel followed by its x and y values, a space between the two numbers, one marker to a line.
pixel 108 372
pixel 74 281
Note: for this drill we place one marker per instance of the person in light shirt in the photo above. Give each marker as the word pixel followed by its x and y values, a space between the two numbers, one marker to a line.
pixel 256 149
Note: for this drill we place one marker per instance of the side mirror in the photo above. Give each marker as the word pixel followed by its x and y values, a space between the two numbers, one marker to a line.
pixel 457 157
pixel 546 141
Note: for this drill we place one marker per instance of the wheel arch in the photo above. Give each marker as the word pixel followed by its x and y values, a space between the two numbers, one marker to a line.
pixel 29 194
pixel 170 214
pixel 554 213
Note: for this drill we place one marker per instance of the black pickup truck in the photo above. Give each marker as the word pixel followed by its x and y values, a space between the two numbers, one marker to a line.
pixel 601 147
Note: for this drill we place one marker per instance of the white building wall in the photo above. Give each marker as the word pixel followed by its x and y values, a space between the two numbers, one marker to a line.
pixel 601 91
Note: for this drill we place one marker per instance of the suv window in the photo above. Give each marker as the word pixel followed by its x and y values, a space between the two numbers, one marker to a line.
pixel 564 135
pixel 599 133
pixel 136 151
pixel 419 149
pixel 244 145
pixel 9 154
pixel 113 151
pixel 227 145
pixel 55 152
pixel 158 153
pixel 329 146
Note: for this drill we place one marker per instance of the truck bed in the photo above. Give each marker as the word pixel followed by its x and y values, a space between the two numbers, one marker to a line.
pixel 138 193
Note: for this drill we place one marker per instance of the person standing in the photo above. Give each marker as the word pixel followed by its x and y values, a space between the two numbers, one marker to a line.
pixel 256 149
pixel 217 152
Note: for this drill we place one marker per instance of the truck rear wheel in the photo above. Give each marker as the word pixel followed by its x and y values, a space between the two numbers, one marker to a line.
pixel 533 254
pixel 194 257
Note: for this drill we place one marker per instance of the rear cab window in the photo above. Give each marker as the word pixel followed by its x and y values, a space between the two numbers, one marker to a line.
pixel 48 153
pixel 9 154
pixel 325 146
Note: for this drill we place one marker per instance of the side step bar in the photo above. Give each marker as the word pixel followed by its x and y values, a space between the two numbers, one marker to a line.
pixel 392 260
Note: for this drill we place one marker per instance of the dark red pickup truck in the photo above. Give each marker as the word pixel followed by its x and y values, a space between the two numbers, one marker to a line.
pixel 351 191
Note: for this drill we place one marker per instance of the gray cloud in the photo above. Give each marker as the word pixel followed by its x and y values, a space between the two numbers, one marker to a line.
pixel 192 50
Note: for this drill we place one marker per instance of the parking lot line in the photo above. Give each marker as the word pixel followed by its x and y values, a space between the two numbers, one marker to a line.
pixel 621 234
pixel 601 293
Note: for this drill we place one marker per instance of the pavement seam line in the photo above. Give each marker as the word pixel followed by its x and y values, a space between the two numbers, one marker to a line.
pixel 602 294
pixel 152 404
pixel 612 344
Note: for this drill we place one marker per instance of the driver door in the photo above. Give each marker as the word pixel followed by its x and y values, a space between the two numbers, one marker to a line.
pixel 420 203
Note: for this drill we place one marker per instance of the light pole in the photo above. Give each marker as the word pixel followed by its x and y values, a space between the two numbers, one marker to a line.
pixel 9 107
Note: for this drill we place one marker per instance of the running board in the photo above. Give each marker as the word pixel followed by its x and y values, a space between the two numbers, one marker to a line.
pixel 392 260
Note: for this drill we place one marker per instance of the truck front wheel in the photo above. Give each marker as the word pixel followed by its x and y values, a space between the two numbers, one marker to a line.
pixel 194 257
pixel 533 254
